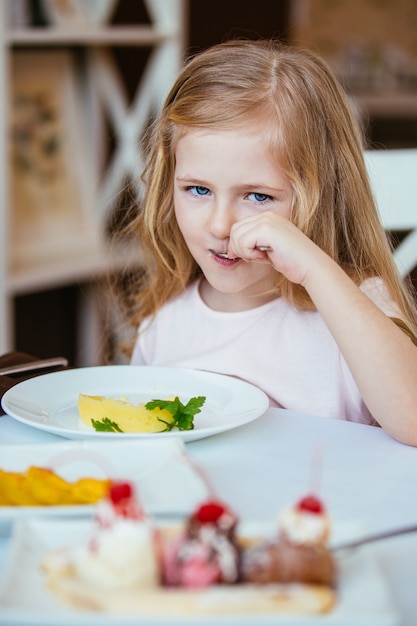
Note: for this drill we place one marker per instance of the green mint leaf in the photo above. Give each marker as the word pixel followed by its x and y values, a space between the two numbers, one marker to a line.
pixel 194 405
pixel 183 415
pixel 106 426
pixel 185 422
pixel 173 406
pixel 186 416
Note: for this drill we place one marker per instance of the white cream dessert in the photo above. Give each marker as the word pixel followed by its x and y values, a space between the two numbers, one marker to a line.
pixel 122 551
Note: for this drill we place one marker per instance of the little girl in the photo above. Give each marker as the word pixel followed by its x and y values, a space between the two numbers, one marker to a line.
pixel 264 255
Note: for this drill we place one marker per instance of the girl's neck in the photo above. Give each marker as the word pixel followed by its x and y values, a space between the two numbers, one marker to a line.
pixel 230 302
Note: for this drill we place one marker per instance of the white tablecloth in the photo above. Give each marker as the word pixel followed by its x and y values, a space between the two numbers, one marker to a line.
pixel 361 473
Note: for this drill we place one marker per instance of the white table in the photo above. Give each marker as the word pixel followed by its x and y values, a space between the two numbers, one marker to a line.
pixel 260 467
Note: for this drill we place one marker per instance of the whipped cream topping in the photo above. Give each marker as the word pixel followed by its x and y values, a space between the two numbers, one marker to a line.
pixel 119 556
pixel 304 527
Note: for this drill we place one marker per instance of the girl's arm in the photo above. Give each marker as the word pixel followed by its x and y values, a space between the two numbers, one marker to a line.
pixel 381 357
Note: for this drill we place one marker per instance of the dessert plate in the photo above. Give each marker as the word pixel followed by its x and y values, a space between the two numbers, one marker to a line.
pixel 166 482
pixel 363 596
pixel 49 402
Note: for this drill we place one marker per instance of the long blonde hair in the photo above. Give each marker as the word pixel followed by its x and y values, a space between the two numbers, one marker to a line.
pixel 317 140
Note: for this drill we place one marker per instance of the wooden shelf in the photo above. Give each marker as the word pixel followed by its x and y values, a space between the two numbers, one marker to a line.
pixel 395 105
pixel 89 265
pixel 88 36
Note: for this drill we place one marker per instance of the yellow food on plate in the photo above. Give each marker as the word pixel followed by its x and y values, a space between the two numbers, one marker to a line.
pixel 39 486
pixel 13 490
pixel 130 418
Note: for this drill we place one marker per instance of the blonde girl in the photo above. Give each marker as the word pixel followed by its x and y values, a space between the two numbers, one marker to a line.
pixel 264 256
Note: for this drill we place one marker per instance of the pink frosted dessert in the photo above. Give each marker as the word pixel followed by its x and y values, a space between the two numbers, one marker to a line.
pixel 207 552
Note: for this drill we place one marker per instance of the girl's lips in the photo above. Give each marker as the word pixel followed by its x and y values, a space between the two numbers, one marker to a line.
pixel 223 257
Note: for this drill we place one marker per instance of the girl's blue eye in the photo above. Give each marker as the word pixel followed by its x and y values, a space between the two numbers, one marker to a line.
pixel 259 197
pixel 199 191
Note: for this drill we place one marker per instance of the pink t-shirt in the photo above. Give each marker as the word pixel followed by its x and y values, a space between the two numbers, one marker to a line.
pixel 289 354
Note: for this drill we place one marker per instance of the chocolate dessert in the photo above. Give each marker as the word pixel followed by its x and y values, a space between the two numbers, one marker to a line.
pixel 298 553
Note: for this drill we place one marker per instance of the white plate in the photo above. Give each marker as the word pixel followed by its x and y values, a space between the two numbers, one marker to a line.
pixel 49 402
pixel 165 481
pixel 363 597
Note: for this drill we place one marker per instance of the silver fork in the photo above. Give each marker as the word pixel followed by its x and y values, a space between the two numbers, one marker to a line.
pixel 224 255
pixel 375 537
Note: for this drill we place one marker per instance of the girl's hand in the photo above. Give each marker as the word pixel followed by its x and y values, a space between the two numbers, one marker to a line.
pixel 292 253
pixel 380 356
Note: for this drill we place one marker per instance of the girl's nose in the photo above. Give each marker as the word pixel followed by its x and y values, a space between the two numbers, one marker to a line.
pixel 221 220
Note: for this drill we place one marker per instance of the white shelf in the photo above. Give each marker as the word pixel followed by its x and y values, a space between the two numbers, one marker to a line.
pixel 101 94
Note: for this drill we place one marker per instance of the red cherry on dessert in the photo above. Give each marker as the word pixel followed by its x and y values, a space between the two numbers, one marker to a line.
pixel 210 512
pixel 124 502
pixel 120 492
pixel 310 504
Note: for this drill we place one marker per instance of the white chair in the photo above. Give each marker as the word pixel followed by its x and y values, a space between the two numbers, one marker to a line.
pixel 393 175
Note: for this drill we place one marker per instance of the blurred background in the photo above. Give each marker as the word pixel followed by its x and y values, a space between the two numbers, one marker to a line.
pixel 80 82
